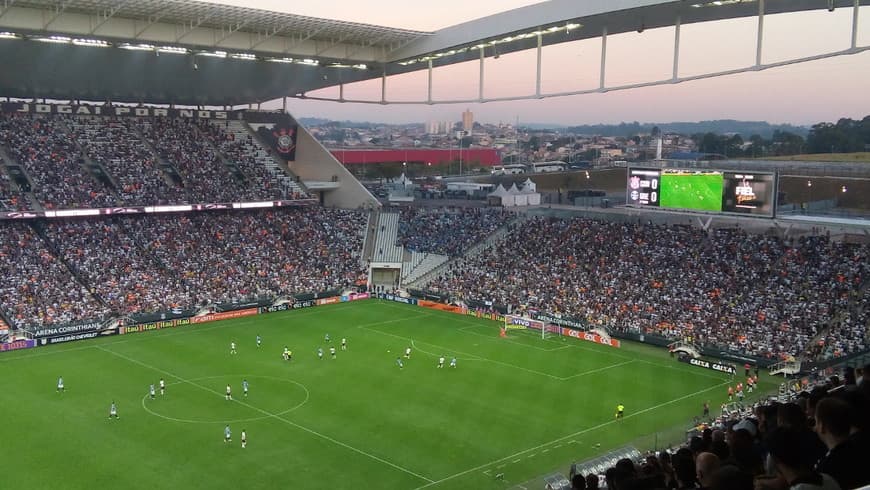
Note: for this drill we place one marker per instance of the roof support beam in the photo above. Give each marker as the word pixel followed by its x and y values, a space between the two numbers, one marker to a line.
pixel 301 40
pixel 7 4
pixel 150 22
pixel 108 14
pixel 232 30
pixel 332 44
pixel 58 11
pixel 193 26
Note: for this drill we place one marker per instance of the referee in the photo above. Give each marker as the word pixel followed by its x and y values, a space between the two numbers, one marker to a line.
pixel 620 411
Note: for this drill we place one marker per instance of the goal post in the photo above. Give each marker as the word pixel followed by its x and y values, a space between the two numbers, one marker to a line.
pixel 516 322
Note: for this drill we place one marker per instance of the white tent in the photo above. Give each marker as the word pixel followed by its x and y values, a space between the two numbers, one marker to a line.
pixel 529 185
pixel 500 197
pixel 533 198
pixel 520 199
pixel 404 181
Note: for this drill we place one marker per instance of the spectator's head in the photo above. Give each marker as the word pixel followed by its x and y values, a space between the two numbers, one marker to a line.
pixel 786 453
pixel 833 421
pixel 684 469
pixel 705 465
pixel 791 415
pixel 578 482
pixel 731 478
pixel 591 481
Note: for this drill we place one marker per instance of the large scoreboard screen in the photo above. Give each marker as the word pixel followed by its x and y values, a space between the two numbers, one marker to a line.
pixel 702 190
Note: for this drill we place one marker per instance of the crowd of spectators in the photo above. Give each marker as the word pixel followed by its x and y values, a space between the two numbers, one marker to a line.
pixel 747 293
pixel 245 152
pixel 818 440
pixel 38 289
pixel 448 231
pixel 85 268
pixel 114 144
pixel 11 200
pixel 205 176
pixel 42 146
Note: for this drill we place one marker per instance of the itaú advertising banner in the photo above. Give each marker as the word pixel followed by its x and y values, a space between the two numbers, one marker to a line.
pixel 589 336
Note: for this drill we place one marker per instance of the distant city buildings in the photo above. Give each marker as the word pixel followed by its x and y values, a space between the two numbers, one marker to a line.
pixel 439 127
pixel 467 120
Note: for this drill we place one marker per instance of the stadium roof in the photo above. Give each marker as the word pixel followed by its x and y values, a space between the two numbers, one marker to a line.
pixel 235 55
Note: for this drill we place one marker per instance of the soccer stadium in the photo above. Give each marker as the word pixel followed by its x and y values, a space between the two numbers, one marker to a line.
pixel 196 291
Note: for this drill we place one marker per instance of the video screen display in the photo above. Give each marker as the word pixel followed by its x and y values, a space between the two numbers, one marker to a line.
pixel 748 193
pixel 643 187
pixel 702 190
pixel 691 189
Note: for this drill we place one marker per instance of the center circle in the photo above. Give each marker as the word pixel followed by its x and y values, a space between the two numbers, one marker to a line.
pixel 238 399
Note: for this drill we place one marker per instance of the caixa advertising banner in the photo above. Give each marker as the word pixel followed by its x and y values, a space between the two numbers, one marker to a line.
pixel 711 365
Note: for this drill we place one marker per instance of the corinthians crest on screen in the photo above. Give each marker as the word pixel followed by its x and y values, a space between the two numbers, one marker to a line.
pixel 282 137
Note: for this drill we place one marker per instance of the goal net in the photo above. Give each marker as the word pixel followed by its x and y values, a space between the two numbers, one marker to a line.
pixel 520 323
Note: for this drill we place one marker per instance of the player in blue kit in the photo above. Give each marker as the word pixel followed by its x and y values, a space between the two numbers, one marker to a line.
pixel 60 388
pixel 320 353
pixel 400 363
pixel 259 341
pixel 228 435
pixel 245 387
pixel 453 362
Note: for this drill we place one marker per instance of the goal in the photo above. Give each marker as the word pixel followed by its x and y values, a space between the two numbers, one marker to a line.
pixel 515 322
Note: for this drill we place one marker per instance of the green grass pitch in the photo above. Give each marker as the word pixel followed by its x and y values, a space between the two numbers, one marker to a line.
pixel 522 406
pixel 691 191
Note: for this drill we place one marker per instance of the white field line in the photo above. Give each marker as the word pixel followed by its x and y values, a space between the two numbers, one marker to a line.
pixel 577 344
pixel 584 431
pixel 272 415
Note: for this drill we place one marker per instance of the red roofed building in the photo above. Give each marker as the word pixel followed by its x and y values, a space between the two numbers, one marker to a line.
pixel 435 156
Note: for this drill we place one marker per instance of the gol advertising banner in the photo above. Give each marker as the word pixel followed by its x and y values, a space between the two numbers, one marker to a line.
pixel 224 315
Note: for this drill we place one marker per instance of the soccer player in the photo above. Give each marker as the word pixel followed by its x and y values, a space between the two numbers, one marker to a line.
pixel 408 353
pixel 244 390
pixel 706 409
pixel 162 387
pixel 228 436
pixel 326 338
pixel 259 341
pixel 286 354
pixel 453 362
pixel 400 363
pixel 113 410
pixel 320 352
pixel 343 343
pixel 60 388
pixel 440 362
pixel 332 351
pixel 730 393
pixel 151 390
pixel 244 438
pixel 620 411
pixel 229 393
pixel 232 347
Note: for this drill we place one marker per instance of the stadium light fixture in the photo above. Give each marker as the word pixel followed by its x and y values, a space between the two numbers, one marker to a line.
pixel 94 43
pixel 244 56
pixel 308 61
pixel 54 39
pixel 172 50
pixel 138 47
pixel 8 35
pixel 281 60
pixel 213 54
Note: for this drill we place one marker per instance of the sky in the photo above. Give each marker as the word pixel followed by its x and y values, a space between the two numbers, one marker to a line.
pixel 799 94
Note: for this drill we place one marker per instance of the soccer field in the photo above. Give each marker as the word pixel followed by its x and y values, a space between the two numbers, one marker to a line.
pixel 692 191
pixel 522 406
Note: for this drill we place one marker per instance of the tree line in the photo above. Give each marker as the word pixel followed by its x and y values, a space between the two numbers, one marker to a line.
pixel 844 136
